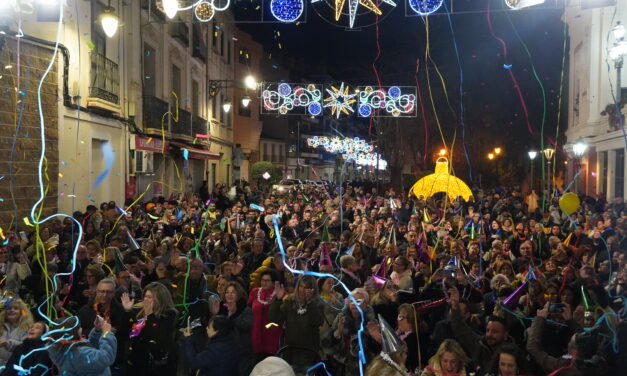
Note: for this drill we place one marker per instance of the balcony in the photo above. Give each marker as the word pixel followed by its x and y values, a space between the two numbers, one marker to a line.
pixel 104 85
pixel 153 109
pixel 200 49
pixel 180 31
pixel 182 129
pixel 199 126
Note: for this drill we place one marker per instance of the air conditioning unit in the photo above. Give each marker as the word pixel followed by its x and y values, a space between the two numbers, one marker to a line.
pixel 143 162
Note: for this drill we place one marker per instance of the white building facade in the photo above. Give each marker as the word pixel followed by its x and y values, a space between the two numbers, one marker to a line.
pixel 593 78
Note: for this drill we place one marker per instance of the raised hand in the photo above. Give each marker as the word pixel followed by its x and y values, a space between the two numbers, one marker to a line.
pixel 127 302
pixel 279 290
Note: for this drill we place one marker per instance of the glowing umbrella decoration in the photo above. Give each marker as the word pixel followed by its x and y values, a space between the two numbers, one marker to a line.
pixel 441 181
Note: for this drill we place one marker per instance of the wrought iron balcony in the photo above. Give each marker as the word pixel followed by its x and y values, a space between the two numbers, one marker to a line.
pixel 153 109
pixel 199 126
pixel 152 6
pixel 104 78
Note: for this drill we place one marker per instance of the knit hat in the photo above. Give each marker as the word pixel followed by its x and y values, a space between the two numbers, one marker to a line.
pixel 272 366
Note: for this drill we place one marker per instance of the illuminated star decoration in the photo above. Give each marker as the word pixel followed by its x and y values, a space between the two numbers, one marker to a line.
pixel 352 8
pixel 340 100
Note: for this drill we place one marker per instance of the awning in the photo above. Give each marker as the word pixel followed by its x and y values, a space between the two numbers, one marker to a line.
pixel 197 153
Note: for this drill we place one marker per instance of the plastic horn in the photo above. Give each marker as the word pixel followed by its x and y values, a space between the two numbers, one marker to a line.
pixel 378 280
pixel 132 243
pixel 423 307
pixel 511 301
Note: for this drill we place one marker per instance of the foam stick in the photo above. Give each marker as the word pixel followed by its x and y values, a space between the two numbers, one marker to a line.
pixel 584 297
pixel 425 305
pixel 511 301
pixel 257 207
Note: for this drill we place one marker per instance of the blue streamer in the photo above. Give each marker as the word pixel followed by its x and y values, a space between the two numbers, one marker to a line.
pixel 186 154
pixel 362 355
pixel 109 156
pixel 257 207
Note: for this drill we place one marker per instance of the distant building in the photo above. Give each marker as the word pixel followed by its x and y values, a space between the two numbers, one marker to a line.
pixel 590 94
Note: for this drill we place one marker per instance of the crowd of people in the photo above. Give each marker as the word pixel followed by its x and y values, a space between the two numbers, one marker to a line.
pixel 319 280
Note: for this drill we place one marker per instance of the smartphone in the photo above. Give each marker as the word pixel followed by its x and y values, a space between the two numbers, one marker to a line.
pixel 23 236
pixel 556 308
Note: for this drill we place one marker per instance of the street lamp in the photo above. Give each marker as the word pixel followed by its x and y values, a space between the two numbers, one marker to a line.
pixel 109 21
pixel 617 53
pixel 490 156
pixel 548 154
pixel 497 150
pixel 250 82
pixel 226 106
pixel 579 148
pixel 170 8
pixel 442 152
pixel 532 155
pixel 245 100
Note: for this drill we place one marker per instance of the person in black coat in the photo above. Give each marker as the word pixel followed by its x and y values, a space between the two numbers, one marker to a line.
pixel 221 355
pixel 37 362
pixel 151 343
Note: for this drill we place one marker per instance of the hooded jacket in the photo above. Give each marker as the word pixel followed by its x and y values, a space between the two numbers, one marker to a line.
pixel 220 357
pixel 93 360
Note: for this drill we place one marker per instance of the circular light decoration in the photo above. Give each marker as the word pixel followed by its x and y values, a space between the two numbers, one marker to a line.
pixel 286 10
pixel 204 11
pixel 285 89
pixel 314 108
pixel 365 110
pixel 425 7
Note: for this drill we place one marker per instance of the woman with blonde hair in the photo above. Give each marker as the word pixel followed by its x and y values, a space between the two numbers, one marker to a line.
pixel 450 359
pixel 151 343
pixel 15 321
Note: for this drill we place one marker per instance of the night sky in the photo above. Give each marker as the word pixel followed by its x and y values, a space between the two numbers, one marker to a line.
pixel 493 110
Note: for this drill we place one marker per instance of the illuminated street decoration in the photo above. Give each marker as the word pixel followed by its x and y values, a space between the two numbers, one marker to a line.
pixel 390 101
pixel 292 99
pixel 340 100
pixel 204 11
pixel 354 4
pixel 286 10
pixel 352 149
pixel 425 7
pixel 441 181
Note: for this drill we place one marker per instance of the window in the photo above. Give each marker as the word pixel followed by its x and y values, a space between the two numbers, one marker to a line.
pixel 150 79
pixel 603 156
pixel 214 170
pixel 228 175
pixel 281 155
pixel 214 36
pixel 273 153
pixel 265 152
pixel 214 107
pixel 619 174
pixel 195 99
pixel 221 109
pixel 176 85
pixel 244 56
pixel 221 43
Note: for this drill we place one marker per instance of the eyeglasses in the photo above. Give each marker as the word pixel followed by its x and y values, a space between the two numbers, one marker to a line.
pixel 105 292
pixel 266 280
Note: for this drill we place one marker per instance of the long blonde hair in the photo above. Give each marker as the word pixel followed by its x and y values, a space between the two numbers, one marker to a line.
pixel 162 300
pixel 26 318
pixel 451 346
pixel 380 367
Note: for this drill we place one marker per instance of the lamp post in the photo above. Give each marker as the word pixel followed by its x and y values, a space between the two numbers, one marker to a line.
pixel 532 155
pixel 579 148
pixel 249 83
pixel 548 154
pixel 617 53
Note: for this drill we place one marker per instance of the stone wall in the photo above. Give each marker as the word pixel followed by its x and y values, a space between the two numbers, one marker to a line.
pixel 20 141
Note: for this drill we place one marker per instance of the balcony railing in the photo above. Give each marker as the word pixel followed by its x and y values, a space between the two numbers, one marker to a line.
pixel 199 126
pixel 104 78
pixel 180 31
pixel 153 109
pixel 184 126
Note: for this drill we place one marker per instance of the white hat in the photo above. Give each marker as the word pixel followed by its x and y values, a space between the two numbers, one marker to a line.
pixel 272 366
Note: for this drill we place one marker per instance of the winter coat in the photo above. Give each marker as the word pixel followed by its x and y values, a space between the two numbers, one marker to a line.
pixel 474 345
pixel 301 329
pixel 153 349
pixel 15 274
pixel 14 336
pixel 38 362
pixel 93 360
pixel 220 357
pixel 264 340
pixel 550 363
